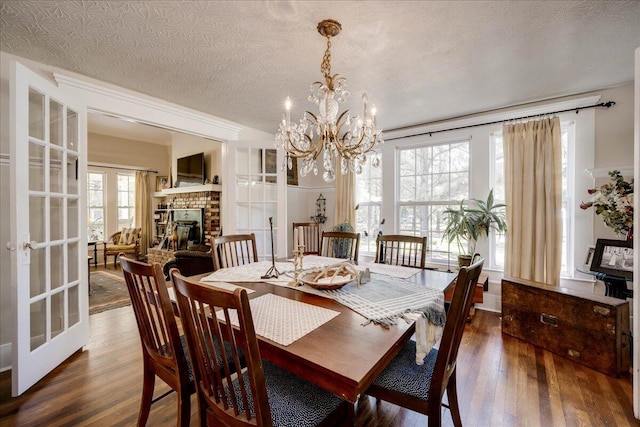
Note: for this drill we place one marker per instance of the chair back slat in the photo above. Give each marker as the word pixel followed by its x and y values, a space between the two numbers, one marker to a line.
pixel 397 249
pixel 311 235
pixel 207 313
pixel 234 250
pixel 454 328
pixel 340 244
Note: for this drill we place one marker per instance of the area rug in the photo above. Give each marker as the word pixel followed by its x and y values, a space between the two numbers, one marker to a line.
pixel 108 291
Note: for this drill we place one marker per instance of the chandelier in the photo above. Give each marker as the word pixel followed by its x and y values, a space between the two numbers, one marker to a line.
pixel 343 140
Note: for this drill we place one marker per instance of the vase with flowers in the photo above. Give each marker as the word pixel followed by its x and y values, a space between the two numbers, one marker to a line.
pixel 614 202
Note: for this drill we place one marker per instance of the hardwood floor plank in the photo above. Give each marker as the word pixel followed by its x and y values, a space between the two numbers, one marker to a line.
pixel 501 382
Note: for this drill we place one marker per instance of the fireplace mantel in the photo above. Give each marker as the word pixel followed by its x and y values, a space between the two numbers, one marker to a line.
pixel 190 189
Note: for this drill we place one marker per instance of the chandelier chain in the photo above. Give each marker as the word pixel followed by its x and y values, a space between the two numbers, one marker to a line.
pixel 325 68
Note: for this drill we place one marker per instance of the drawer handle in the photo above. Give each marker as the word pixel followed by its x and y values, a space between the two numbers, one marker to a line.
pixel 548 319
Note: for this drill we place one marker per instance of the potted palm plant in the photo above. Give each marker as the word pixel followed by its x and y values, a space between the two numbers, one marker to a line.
pixel 468 222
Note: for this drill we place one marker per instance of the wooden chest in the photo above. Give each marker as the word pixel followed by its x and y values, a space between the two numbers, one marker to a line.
pixel 589 329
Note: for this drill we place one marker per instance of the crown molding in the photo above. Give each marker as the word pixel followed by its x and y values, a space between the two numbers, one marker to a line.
pixel 219 128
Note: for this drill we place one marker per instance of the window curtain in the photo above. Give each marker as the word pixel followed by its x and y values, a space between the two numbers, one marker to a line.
pixel 345 198
pixel 533 187
pixel 143 210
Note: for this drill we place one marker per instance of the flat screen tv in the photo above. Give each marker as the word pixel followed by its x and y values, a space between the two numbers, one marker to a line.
pixel 190 170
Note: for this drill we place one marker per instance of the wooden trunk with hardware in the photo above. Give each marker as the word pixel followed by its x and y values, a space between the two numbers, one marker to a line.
pixel 590 329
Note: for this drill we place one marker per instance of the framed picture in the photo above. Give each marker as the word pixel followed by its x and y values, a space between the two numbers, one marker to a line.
pixel 590 251
pixel 292 174
pixel 613 257
pixel 162 183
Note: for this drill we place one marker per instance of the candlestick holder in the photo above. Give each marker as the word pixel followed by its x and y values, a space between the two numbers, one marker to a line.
pixel 298 255
pixel 273 271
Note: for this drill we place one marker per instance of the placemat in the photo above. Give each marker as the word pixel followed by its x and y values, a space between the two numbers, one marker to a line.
pixel 283 320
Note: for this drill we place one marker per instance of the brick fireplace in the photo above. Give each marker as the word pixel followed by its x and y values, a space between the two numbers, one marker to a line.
pixel 209 201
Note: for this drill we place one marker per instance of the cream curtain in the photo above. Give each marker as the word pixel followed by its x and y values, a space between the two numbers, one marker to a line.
pixel 533 186
pixel 143 210
pixel 345 198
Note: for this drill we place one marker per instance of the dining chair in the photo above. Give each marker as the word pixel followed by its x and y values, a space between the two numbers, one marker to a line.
pixel 311 236
pixel 340 244
pixel 264 395
pixel 420 388
pixel 398 249
pixel 164 352
pixel 234 250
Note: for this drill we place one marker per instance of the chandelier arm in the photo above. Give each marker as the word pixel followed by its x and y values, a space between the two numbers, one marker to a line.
pixel 298 150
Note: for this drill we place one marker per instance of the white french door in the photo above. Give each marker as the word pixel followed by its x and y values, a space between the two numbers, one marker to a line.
pixel 255 190
pixel 49 242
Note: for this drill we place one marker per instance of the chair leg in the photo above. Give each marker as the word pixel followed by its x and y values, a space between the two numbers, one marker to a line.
pixel 452 396
pixel 148 384
pixel 184 408
pixel 115 258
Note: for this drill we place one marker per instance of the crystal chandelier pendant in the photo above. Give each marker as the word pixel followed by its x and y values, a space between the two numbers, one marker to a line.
pixel 341 138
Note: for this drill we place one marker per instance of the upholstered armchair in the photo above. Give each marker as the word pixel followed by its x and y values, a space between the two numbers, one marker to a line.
pixel 126 241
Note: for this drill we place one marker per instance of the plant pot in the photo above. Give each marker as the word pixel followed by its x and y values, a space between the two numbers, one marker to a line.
pixel 464 260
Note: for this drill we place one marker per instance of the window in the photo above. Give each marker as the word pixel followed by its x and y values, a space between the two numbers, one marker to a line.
pixel 498 242
pixel 431 178
pixel 95 206
pixel 369 202
pixel 126 200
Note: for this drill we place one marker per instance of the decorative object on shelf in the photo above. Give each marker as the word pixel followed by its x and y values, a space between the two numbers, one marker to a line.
pixel 467 224
pixel 614 202
pixel 321 209
pixel 272 271
pixel 162 183
pixel 216 179
pixel 340 138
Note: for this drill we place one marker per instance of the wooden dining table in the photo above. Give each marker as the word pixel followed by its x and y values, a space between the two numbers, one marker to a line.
pixel 344 355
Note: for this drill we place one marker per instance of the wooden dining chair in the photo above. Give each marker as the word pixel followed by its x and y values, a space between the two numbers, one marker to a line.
pixel 421 387
pixel 164 353
pixel 234 250
pixel 264 395
pixel 398 249
pixel 340 244
pixel 311 236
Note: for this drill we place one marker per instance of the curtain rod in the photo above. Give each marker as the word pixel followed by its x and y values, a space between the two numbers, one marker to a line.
pixel 128 168
pixel 607 104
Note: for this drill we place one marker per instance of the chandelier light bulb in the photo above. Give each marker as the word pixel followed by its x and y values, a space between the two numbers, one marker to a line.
pixel 343 139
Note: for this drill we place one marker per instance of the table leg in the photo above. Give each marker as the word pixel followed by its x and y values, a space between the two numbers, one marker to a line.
pixel 617 288
pixel 95 255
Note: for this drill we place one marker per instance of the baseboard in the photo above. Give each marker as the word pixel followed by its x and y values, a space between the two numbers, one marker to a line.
pixel 5 357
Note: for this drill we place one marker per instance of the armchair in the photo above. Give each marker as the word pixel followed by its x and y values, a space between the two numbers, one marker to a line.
pixel 126 241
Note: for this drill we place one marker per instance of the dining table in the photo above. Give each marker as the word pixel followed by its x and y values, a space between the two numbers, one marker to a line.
pixel 345 354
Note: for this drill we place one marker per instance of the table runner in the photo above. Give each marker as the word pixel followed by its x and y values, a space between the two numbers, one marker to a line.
pixel 283 320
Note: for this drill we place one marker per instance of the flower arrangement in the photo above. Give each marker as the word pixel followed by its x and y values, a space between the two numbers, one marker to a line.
pixel 614 201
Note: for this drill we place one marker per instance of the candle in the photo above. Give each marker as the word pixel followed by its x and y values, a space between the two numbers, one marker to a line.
pixel 287 107
pixel 301 236
pixel 295 239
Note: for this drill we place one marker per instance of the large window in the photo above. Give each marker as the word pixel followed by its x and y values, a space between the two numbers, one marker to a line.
pixel 95 205
pixel 126 200
pixel 431 178
pixel 369 202
pixel 498 181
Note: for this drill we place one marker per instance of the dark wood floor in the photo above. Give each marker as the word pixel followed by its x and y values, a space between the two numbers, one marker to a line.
pixel 502 381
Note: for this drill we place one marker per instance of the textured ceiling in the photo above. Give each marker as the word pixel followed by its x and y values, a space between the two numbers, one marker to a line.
pixel 418 61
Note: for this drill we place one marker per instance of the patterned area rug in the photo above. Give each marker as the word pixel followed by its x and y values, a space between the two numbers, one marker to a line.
pixel 108 291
